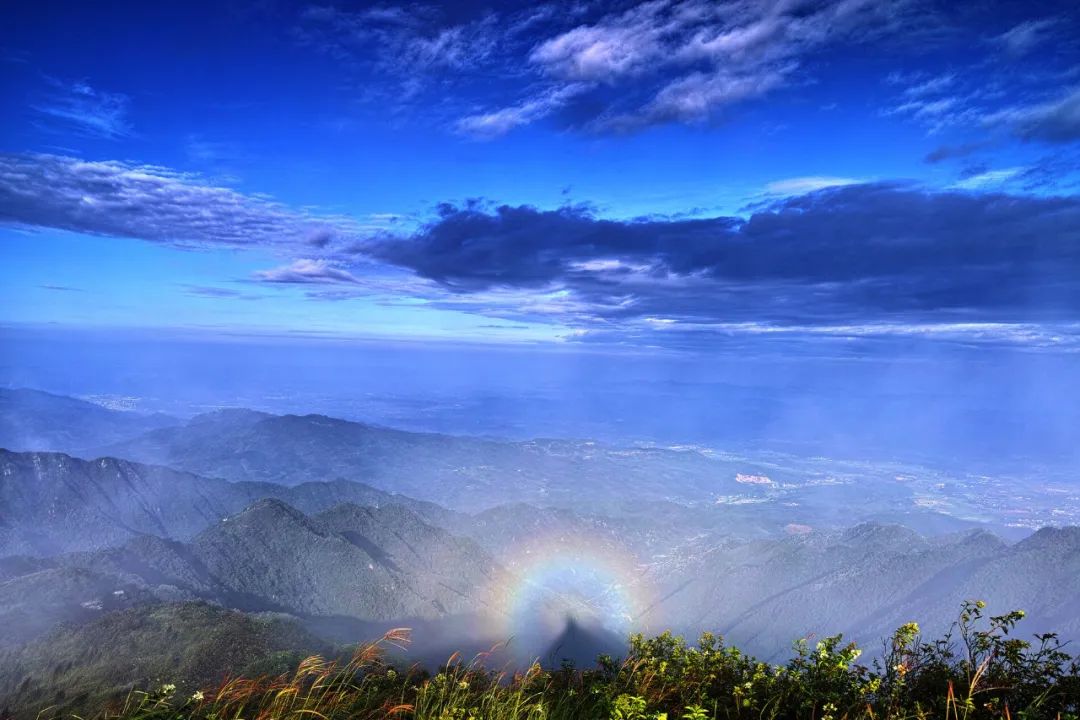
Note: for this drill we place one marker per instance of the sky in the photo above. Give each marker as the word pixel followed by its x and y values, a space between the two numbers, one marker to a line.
pixel 668 176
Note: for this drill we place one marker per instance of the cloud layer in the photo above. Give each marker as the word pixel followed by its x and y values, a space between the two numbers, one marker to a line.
pixel 842 259
pixel 843 256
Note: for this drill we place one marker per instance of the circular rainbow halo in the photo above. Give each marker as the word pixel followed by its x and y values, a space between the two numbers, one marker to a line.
pixel 585 585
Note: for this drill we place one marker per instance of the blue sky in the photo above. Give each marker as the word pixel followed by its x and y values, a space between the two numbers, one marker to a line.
pixel 670 174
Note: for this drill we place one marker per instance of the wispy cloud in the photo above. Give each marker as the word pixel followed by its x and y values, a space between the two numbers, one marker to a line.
pixel 489 125
pixel 1039 337
pixel 924 85
pixel 416 36
pixel 408 48
pixel 152 203
pixel 213 291
pixel 61 288
pixel 1054 121
pixel 598 68
pixel 75 105
pixel 306 271
pixel 684 61
pixel 810 183
pixel 1001 91
pixel 989 178
pixel 935 102
pixel 952 152
pixel 1023 38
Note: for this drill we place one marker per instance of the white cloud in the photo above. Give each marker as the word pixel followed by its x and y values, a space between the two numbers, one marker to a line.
pixel 1023 38
pixel 603 52
pixel 811 183
pixel 930 86
pixel 78 106
pixel 496 123
pixel 307 271
pixel 696 96
pixel 149 203
pixel 692 57
pixel 989 178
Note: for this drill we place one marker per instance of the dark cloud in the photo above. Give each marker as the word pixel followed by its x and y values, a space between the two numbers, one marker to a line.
pixel 61 288
pixel 953 152
pixel 320 238
pixel 878 251
pixel 148 203
pixel 211 291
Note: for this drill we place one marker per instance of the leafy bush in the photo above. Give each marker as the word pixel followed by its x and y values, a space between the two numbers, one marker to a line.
pixel 978 670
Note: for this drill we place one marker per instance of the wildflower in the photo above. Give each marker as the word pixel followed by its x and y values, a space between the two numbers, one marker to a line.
pixel 197 696
pixel 168 689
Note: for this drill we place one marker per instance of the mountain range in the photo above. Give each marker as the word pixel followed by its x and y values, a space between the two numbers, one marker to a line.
pixel 344 550
pixel 330 531
pixel 695 487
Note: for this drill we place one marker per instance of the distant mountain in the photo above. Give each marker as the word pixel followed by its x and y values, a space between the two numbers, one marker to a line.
pixel 866 581
pixel 193 645
pixel 692 488
pixel 35 420
pixel 661 488
pixel 370 564
pixel 463 473
pixel 52 503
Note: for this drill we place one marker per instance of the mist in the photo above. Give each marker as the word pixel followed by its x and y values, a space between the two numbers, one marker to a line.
pixel 950 405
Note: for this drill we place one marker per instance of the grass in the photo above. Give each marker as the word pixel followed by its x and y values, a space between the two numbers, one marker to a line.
pixel 978 670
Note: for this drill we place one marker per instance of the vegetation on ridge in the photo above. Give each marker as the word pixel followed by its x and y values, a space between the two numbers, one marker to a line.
pixel 978 670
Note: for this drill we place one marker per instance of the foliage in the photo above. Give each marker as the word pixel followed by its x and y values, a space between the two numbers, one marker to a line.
pixel 978 670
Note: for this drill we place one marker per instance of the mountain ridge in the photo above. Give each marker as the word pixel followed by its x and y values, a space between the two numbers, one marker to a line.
pixel 54 502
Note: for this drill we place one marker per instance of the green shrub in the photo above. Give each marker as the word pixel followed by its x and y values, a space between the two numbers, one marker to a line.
pixel 977 671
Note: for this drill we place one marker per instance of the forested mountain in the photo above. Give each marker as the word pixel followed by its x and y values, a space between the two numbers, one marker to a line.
pixel 51 503
pixel 366 564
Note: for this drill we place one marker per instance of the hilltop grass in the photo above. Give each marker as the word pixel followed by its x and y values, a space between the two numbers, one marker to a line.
pixel 976 671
